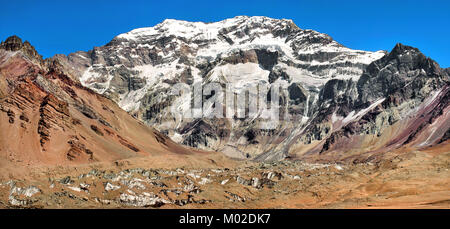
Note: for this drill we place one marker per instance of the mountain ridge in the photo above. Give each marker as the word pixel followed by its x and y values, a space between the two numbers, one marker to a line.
pixel 137 70
pixel 48 119
pixel 302 59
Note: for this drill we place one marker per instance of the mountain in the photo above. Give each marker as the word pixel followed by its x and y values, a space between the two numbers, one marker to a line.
pixel 48 119
pixel 100 129
pixel 400 101
pixel 337 101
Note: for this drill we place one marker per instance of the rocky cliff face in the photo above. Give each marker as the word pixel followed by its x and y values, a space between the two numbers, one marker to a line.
pixel 46 118
pixel 333 96
pixel 14 43
pixel 400 100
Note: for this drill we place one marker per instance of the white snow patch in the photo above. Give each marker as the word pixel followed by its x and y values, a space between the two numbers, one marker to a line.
pixel 351 116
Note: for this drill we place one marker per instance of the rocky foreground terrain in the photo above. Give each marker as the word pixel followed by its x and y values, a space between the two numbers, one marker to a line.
pixel 418 179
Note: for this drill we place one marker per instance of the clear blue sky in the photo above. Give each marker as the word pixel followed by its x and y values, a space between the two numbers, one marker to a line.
pixel 64 27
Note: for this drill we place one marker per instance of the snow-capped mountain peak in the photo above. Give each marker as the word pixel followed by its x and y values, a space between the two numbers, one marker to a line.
pixel 137 69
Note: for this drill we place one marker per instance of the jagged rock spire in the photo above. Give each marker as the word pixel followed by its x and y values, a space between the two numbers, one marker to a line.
pixel 14 43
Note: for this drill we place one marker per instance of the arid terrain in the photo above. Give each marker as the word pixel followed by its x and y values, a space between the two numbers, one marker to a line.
pixel 417 179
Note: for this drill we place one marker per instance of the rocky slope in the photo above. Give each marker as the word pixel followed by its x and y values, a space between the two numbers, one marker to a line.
pixel 401 100
pixel 48 119
pixel 400 180
pixel 335 100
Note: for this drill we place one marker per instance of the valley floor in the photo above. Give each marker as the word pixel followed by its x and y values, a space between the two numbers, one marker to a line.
pixel 414 179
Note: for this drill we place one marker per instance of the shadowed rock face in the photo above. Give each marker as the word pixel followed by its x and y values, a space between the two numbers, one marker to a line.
pixel 14 43
pixel 404 89
pixel 296 93
pixel 405 72
pixel 331 91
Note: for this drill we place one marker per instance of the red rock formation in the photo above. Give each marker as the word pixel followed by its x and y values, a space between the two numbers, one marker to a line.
pixel 47 118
